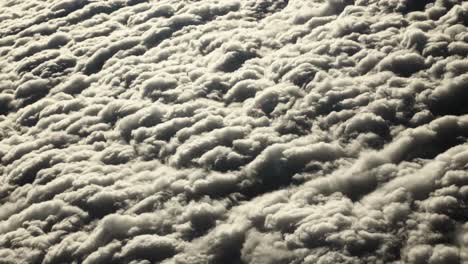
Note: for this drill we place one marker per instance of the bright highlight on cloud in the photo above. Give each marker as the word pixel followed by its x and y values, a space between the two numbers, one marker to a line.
pixel 240 131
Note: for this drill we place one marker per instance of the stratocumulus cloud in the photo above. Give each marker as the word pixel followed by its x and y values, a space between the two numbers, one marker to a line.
pixel 239 131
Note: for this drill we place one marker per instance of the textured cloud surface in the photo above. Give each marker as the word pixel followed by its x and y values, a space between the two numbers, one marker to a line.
pixel 238 131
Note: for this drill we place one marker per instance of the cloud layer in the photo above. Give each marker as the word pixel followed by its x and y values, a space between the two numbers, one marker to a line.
pixel 253 131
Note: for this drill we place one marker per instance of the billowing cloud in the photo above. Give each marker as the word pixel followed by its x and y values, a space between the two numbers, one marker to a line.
pixel 240 131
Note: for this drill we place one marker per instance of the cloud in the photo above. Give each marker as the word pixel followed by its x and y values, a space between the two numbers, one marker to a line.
pixel 403 64
pixel 253 131
pixel 145 247
pixel 33 89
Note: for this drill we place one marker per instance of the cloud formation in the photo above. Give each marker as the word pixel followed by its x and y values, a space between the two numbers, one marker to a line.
pixel 240 131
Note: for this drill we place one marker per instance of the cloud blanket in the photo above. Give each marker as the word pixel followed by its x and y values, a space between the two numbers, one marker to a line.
pixel 237 131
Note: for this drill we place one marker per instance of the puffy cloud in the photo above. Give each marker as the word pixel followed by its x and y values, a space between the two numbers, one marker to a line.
pixel 153 248
pixel 403 64
pixel 253 131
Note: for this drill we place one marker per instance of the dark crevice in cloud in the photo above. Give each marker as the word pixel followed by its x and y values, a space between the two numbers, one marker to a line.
pixel 414 5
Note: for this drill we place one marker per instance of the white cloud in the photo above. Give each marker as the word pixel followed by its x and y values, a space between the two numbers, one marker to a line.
pixel 254 131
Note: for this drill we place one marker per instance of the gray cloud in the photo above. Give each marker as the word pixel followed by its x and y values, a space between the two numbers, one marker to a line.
pixel 240 131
